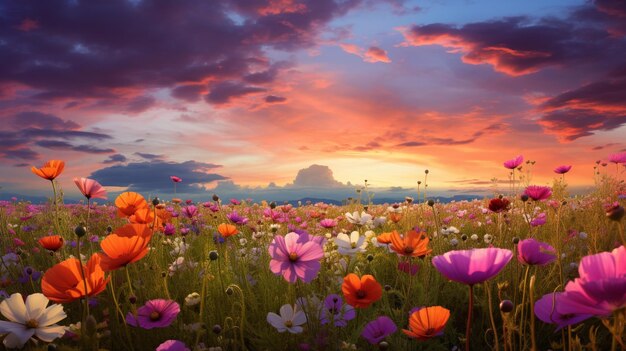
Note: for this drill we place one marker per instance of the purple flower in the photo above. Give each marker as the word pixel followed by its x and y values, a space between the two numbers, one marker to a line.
pixel 295 256
pixel 28 274
pixel 236 218
pixel 546 310
pixel 408 267
pixel 533 252
pixel 169 229
pixel 334 310
pixel 172 345
pixel 539 220
pixel 157 313
pixel 514 163
pixel 472 266
pixel 562 169
pixel 235 202
pixel 378 329
pixel 190 211
pixel 538 192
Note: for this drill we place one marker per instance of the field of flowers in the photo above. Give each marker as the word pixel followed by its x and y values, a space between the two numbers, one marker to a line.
pixel 532 268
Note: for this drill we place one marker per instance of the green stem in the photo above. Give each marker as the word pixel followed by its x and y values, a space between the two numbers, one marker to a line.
pixel 521 323
pixel 533 343
pixel 468 326
pixel 56 208
pixel 493 322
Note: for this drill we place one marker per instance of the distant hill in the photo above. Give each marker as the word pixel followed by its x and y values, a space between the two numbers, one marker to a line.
pixel 441 199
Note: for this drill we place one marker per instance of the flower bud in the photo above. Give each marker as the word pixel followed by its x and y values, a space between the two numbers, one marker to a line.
pixel 213 255
pixel 431 203
pixel 80 231
pixel 155 201
pixel 506 306
pixel 217 329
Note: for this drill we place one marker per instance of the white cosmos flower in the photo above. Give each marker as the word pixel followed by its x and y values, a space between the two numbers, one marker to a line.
pixel 359 219
pixel 29 319
pixel 290 319
pixel 350 245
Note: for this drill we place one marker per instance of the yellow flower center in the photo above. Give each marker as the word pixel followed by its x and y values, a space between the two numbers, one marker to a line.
pixel 31 324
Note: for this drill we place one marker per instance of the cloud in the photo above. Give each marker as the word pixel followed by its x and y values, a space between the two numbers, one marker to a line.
pixel 316 176
pixel 23 131
pixel 154 176
pixel 518 46
pixel 149 157
pixel 598 106
pixel 273 99
pixel 115 159
pixel 373 54
pixel 60 49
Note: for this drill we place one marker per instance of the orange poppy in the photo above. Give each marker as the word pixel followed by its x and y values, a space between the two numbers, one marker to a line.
pixel 128 203
pixel 395 217
pixel 63 283
pixel 361 292
pixel 384 238
pixel 51 242
pixel 133 229
pixel 176 200
pixel 427 322
pixel 413 244
pixel 50 170
pixel 227 230
pixel 122 250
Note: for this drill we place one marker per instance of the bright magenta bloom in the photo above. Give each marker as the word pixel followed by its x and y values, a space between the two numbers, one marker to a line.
pixel 562 169
pixel 176 179
pixel 157 313
pixel 514 163
pixel 295 256
pixel 538 192
pixel 618 158
pixel 533 252
pixel 90 188
pixel 598 292
pixel 472 266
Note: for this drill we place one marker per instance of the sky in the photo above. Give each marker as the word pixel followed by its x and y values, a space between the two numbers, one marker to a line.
pixel 272 97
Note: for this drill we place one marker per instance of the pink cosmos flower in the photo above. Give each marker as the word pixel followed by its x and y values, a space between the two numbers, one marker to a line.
pixel 514 163
pixel 618 158
pixel 295 256
pixel 172 345
pixel 90 188
pixel 328 223
pixel 157 313
pixel 538 192
pixel 562 169
pixel 533 252
pixel 176 179
pixel 598 292
pixel 472 266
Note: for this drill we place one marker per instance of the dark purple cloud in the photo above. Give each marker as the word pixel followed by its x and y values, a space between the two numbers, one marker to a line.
pixel 273 99
pixel 115 51
pixel 154 176
pixel 115 158
pixel 149 157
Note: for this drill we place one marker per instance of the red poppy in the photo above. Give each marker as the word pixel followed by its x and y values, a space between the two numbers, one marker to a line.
pixel 128 203
pixel 121 250
pixel 427 322
pixel 227 230
pixel 63 282
pixel 413 244
pixel 51 242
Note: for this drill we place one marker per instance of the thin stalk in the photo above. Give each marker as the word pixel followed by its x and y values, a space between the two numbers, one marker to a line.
pixel 533 343
pixel 493 322
pixel 521 323
pixel 468 326
pixel 56 208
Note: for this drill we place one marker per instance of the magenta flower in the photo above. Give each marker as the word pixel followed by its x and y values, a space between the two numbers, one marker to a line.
pixel 328 223
pixel 562 169
pixel 90 188
pixel 538 192
pixel 172 345
pixel 539 220
pixel 514 163
pixel 546 310
pixel 157 313
pixel 618 158
pixel 378 329
pixel 190 211
pixel 472 266
pixel 295 256
pixel 533 252
pixel 176 179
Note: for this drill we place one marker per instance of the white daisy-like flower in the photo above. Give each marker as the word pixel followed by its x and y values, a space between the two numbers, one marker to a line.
pixel 379 221
pixel 30 318
pixel 359 219
pixel 350 245
pixel 474 237
pixel 291 319
pixel 192 299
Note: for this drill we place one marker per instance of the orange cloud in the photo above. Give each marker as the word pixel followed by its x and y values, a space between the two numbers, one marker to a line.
pixel 373 54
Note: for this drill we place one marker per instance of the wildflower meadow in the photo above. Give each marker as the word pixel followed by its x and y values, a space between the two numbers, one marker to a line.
pixel 530 267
